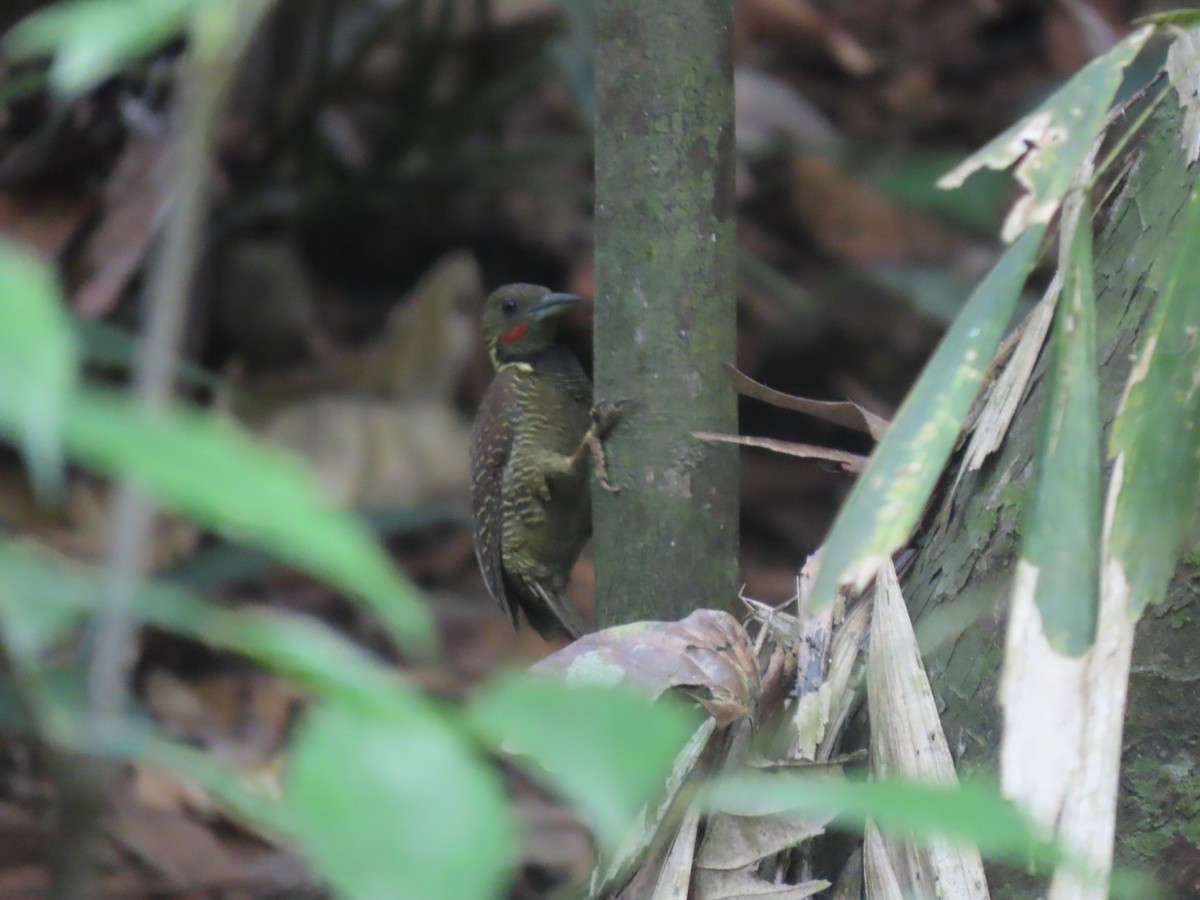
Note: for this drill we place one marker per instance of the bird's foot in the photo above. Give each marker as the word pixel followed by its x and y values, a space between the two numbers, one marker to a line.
pixel 605 416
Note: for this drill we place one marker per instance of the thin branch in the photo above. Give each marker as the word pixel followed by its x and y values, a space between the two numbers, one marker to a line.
pixel 215 45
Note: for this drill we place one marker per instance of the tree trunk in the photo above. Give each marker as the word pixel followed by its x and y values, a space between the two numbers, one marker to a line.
pixel 959 586
pixel 666 543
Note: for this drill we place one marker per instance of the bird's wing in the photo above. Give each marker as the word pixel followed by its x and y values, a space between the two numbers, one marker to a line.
pixel 491 444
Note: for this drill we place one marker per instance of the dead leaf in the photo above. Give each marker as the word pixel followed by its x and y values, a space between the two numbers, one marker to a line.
pixel 707 655
pixel 849 885
pixel 554 837
pixel 800 24
pixel 856 223
pixel 675 877
pixel 161 791
pixel 134 198
pixel 844 413
pixel 182 850
pixel 879 876
pixel 741 885
pixel 241 715
pixel 850 462
pixel 420 355
pixel 907 741
pixel 377 454
pixel 742 842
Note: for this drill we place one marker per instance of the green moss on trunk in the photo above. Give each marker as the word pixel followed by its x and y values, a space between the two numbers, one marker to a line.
pixel 665 307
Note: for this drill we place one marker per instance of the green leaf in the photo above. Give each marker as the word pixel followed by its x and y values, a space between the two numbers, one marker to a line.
pixel 42 599
pixel 912 177
pixel 106 344
pixel 1156 434
pixel 1049 145
pixel 1062 536
pixel 383 793
pixel 92 40
pixel 224 480
pixel 1180 18
pixel 608 750
pixel 890 495
pixel 223 563
pixel 36 609
pixel 38 361
pixel 972 812
pixel 390 802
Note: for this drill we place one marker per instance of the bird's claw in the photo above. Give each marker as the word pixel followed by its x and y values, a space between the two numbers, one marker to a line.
pixel 606 414
pixel 600 463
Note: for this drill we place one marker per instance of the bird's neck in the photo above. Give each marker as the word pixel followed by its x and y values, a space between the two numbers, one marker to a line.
pixel 523 360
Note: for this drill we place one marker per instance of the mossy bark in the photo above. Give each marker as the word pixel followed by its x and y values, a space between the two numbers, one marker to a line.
pixel 665 543
pixel 959 586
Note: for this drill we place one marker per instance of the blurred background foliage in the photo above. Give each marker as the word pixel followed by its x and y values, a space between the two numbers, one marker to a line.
pixel 378 165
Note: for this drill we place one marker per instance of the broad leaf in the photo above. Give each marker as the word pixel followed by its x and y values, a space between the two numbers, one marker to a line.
pixel 92 40
pixel 890 495
pixel 224 480
pixel 38 360
pixel 970 812
pixel 42 599
pixel 390 802
pixel 1062 536
pixel 607 749
pixel 1050 143
pixel 1156 434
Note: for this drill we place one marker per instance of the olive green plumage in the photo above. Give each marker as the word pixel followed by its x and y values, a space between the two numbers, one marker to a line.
pixel 530 479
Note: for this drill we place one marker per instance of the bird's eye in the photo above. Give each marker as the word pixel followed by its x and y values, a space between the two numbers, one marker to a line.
pixel 508 307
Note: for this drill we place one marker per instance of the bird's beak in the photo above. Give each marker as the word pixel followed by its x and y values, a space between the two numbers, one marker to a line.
pixel 553 304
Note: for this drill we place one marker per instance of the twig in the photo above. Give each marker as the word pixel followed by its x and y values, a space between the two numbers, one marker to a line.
pixel 213 50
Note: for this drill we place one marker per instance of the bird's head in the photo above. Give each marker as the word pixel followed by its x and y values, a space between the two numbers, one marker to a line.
pixel 520 320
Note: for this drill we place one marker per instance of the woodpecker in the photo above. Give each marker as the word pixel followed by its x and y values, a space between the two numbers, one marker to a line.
pixel 535 434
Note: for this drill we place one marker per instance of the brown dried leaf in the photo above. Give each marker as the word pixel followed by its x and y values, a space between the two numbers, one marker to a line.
pixel 844 413
pixel 799 24
pixel 133 201
pixel 843 658
pixel 161 791
pixel 712 884
pixel 742 842
pixel 850 462
pixel 675 877
pixel 707 655
pixel 855 222
pixel 420 355
pixel 184 851
pixel 377 454
pixel 879 874
pixel 241 715
pixel 907 741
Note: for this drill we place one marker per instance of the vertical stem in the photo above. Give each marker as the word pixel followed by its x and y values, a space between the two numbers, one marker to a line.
pixel 665 306
pixel 165 303
pixel 218 34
